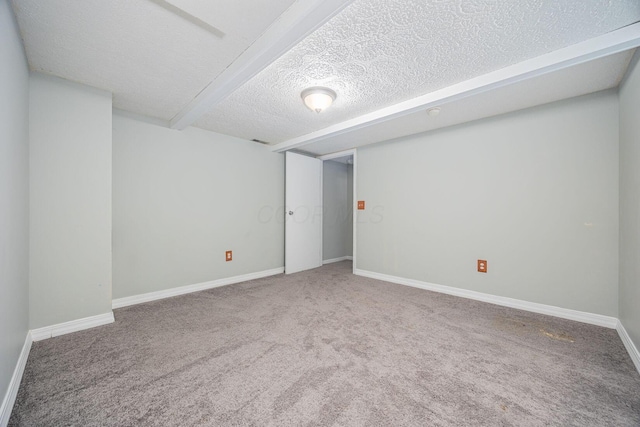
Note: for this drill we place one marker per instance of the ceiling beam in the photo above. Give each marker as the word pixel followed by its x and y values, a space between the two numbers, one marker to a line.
pixel 297 22
pixel 607 44
pixel 170 7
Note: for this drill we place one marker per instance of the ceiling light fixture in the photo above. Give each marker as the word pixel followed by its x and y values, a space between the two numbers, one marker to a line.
pixel 318 98
pixel 432 112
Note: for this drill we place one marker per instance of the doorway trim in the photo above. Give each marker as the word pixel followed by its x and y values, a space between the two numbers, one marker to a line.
pixel 352 152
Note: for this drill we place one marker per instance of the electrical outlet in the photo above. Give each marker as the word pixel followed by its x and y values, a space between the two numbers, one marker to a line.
pixel 482 266
pixel 229 255
pixel 361 205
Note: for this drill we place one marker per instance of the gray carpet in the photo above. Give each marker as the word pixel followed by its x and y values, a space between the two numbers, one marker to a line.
pixel 323 348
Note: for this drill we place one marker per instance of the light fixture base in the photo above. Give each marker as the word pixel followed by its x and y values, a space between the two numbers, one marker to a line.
pixel 318 98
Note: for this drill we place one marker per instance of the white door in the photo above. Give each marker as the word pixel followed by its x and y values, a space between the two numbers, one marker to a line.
pixel 303 212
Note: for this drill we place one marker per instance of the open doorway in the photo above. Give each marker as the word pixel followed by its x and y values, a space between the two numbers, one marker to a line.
pixel 320 195
pixel 338 192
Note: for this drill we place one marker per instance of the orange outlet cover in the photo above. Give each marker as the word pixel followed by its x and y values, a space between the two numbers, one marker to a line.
pixel 361 205
pixel 229 255
pixel 482 266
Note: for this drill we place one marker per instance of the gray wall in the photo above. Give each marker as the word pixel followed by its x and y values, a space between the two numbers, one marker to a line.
pixel 70 196
pixel 534 192
pixel 181 198
pixel 14 196
pixel 336 219
pixel 630 201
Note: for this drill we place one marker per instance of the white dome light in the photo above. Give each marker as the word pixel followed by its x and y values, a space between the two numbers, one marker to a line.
pixel 318 98
pixel 432 112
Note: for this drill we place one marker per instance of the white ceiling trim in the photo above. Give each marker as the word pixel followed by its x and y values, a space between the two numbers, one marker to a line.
pixel 337 154
pixel 614 42
pixel 300 20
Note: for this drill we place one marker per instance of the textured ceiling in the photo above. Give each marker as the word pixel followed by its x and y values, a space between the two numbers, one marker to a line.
pixel 156 56
pixel 380 52
pixel 593 76
pixel 152 60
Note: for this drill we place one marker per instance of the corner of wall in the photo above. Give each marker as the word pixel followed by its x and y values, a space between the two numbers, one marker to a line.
pixel 629 183
pixel 70 179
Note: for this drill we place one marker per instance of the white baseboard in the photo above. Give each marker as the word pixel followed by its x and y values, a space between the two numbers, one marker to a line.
pixel 332 260
pixel 629 345
pixel 72 326
pixel 168 293
pixel 565 313
pixel 14 384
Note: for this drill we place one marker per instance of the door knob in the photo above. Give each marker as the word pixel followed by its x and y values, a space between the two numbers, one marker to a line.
pixel 290 212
